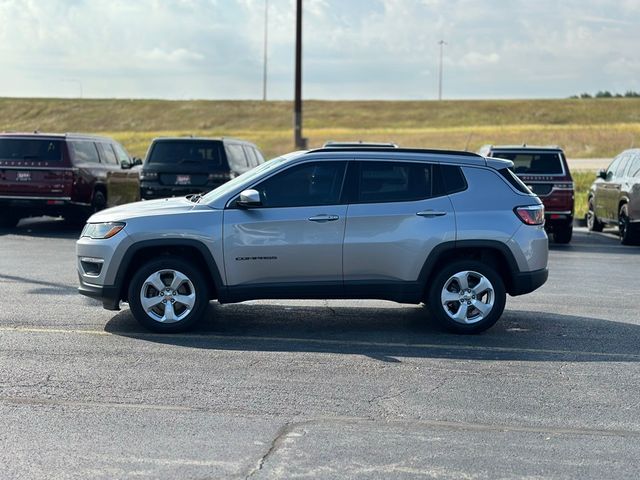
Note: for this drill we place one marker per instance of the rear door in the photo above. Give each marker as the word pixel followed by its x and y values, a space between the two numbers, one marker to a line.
pixel 35 168
pixel 397 217
pixel 295 237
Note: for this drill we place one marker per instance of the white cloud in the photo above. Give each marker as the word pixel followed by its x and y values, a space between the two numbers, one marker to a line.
pixel 352 49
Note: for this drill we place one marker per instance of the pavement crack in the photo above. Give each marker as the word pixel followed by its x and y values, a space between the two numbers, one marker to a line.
pixel 281 435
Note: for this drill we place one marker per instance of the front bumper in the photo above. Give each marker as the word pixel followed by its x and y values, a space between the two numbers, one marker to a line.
pixel 526 282
pixel 109 294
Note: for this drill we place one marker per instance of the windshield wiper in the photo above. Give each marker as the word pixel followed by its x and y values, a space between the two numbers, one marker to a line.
pixel 194 197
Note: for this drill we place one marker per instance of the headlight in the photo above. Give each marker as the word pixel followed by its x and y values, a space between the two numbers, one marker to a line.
pixel 101 231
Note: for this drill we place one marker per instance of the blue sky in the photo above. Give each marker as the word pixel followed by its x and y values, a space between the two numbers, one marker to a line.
pixel 353 49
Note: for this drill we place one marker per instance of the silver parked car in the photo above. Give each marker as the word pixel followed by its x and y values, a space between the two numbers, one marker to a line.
pixel 455 230
pixel 614 198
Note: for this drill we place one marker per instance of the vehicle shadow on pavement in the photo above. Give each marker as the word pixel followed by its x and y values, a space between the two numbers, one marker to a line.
pixel 390 334
pixel 594 242
pixel 44 227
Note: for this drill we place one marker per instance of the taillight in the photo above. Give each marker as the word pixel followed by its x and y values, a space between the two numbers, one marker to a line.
pixel 563 186
pixel 148 175
pixel 530 215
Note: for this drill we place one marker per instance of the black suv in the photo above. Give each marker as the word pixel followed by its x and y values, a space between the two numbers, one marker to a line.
pixel 186 165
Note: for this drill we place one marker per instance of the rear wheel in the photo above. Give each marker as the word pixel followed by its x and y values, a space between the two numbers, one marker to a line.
pixel 467 297
pixel 593 224
pixel 628 232
pixel 168 295
pixel 563 234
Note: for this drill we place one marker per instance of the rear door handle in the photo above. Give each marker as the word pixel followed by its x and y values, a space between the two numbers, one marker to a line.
pixel 323 218
pixel 431 213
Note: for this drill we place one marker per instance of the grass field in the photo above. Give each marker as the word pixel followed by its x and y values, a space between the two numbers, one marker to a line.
pixel 584 128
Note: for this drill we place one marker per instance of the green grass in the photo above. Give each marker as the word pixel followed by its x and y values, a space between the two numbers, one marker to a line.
pixel 584 128
pixel 583 181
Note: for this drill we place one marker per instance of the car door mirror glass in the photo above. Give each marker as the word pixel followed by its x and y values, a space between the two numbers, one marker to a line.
pixel 125 165
pixel 249 198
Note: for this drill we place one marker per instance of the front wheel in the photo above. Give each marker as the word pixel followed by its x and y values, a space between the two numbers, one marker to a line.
pixel 168 295
pixel 467 297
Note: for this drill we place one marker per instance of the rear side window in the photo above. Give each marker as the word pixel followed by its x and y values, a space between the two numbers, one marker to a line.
pixel 36 150
pixel 183 152
pixel 380 182
pixel 107 154
pixel 84 152
pixel 513 179
pixel 236 158
pixel 532 163
pixel 634 170
pixel 251 157
pixel 304 185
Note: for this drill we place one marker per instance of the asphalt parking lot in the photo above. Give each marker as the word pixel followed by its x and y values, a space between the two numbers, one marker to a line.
pixel 319 389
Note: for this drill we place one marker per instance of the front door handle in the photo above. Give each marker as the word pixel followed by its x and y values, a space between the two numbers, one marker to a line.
pixel 323 218
pixel 431 213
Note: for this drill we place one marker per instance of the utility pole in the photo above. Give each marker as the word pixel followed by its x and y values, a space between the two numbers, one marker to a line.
pixel 266 37
pixel 442 43
pixel 297 113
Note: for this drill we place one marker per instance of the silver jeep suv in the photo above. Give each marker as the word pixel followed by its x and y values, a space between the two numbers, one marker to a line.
pixel 454 230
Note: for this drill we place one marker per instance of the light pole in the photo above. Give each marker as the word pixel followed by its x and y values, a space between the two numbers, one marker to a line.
pixel 297 108
pixel 266 37
pixel 442 43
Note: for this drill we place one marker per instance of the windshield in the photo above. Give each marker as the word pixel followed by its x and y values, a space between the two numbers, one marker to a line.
pixel 246 178
pixel 528 163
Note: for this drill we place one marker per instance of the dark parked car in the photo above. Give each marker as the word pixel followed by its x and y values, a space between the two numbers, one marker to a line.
pixel 546 172
pixel 182 166
pixel 72 175
pixel 614 197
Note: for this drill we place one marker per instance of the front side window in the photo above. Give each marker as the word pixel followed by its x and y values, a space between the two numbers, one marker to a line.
pixel 304 185
pixel 381 182
pixel 634 170
pixel 121 153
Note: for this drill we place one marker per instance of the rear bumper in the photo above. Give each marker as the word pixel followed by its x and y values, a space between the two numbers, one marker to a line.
pixel 526 282
pixel 109 295
pixel 39 205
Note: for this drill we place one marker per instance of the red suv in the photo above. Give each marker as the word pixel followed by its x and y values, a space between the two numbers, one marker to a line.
pixel 546 172
pixel 63 174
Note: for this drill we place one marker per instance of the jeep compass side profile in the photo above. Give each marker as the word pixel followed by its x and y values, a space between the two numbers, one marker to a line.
pixel 454 230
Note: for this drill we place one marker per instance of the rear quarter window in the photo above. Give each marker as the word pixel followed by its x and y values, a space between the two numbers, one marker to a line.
pixel 513 179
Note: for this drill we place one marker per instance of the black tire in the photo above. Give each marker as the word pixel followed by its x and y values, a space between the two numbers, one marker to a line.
pixel 8 220
pixel 99 201
pixel 151 320
pixel 563 234
pixel 628 232
pixel 443 279
pixel 593 224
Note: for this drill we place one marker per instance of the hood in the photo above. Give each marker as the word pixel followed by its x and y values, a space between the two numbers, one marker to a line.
pixel 148 208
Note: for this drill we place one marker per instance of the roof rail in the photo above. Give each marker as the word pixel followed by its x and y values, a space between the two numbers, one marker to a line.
pixel 387 150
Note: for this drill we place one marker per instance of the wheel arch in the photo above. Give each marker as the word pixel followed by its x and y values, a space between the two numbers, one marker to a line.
pixel 492 253
pixel 192 251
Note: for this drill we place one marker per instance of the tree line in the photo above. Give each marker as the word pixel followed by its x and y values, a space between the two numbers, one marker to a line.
pixel 608 94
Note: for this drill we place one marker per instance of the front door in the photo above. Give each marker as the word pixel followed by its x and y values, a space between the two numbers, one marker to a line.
pixel 293 241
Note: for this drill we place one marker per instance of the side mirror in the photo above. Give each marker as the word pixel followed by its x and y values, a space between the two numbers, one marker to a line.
pixel 249 198
pixel 137 161
pixel 125 165
pixel 602 173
